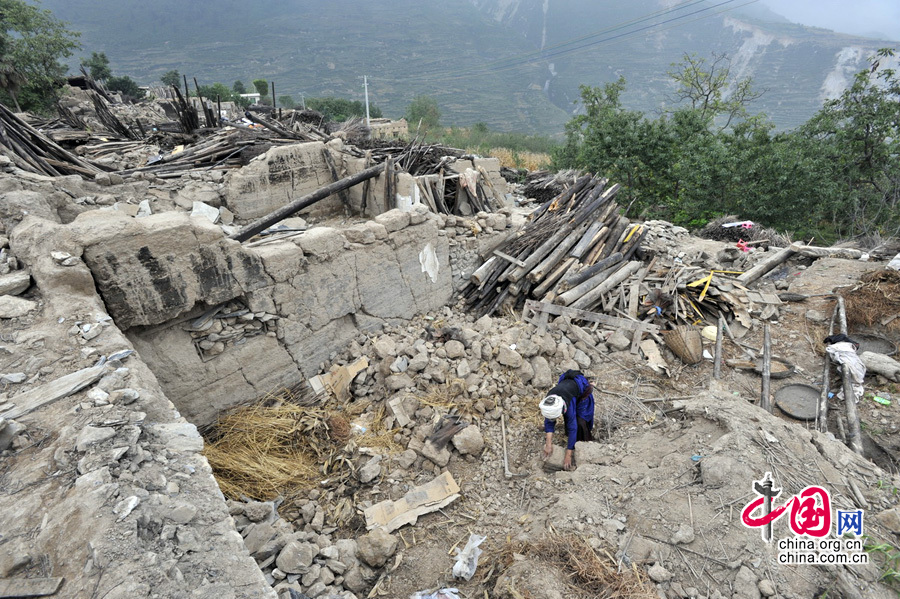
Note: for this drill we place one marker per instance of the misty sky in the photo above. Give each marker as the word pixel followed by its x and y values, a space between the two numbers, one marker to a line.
pixel 861 17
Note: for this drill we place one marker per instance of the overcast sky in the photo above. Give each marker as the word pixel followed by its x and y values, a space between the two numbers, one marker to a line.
pixel 861 17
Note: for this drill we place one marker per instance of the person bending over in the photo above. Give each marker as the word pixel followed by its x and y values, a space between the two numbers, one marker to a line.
pixel 571 398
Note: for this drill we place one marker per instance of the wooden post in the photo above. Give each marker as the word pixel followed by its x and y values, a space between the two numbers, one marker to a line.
pixel 765 400
pixel 854 436
pixel 304 202
pixel 720 333
pixel 822 411
pixel 768 264
pixel 187 91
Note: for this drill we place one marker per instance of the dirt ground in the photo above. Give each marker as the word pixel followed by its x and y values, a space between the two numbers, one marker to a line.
pixel 665 467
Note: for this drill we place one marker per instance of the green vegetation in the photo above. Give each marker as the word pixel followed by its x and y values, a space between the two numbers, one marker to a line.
pixel 171 78
pixel 32 44
pixel 221 92
pixel 125 85
pixel 480 139
pixel 262 87
pixel 835 176
pixel 341 109
pixel 286 102
pixel 97 65
pixel 887 558
pixel 423 109
pixel 239 88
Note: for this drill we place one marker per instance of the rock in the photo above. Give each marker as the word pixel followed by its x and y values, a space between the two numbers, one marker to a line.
pixel 14 283
pixel 890 519
pixel 359 234
pixel 370 471
pixel 721 470
pixel 181 514
pixel 8 431
pixel 463 369
pixel 817 316
pixel 618 341
pixel 509 357
pixel 658 574
pixel 393 220
pixel 469 440
pixel 385 347
pixel 684 535
pixel 590 452
pixel 93 435
pixel 205 210
pixel 438 456
pixel 15 307
pixel 315 590
pixel 543 376
pixel 406 459
pixel 13 378
pixel 258 511
pixel 766 588
pixel 419 362
pixel 296 557
pixel 396 382
pixel 745 584
pixel 401 364
pixel 257 535
pixel 376 547
pixel 582 359
pixel 455 349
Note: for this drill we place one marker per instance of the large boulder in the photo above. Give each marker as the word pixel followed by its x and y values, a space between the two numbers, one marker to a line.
pixel 376 547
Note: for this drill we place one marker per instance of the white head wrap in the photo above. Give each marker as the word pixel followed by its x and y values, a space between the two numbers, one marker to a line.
pixel 552 407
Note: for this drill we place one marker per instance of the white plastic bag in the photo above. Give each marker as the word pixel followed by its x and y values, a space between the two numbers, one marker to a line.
pixel 445 593
pixel 467 559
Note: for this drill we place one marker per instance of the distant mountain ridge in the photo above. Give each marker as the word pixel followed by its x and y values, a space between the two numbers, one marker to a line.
pixel 514 64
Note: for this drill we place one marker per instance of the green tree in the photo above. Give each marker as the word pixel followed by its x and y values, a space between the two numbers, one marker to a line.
pixel 32 43
pixel 711 90
pixel 216 90
pixel 171 78
pixel 97 65
pixel 424 109
pixel 286 101
pixel 262 87
pixel 340 109
pixel 854 144
pixel 125 85
pixel 239 88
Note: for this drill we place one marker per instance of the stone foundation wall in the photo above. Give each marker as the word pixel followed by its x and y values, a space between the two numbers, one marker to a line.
pixel 304 299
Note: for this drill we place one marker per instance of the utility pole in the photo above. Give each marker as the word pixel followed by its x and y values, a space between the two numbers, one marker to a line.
pixel 366 84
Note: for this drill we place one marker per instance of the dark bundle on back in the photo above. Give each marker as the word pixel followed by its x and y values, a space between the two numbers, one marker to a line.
pixel 574 248
pixel 544 185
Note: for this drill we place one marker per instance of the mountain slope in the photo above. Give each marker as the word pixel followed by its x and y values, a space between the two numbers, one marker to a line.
pixel 509 63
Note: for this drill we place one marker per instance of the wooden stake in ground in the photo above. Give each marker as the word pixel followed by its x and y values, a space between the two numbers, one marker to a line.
pixel 717 370
pixel 765 400
pixel 854 437
pixel 822 411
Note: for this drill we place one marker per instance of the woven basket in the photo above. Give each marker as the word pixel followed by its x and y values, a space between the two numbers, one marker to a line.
pixel 685 342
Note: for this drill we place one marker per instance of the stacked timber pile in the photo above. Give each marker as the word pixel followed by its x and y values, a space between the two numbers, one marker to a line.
pixel 579 259
pixel 32 151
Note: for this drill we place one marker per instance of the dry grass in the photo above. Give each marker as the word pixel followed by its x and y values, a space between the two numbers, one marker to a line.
pixel 533 161
pixel 279 448
pixel 591 574
pixel 875 298
pixel 448 397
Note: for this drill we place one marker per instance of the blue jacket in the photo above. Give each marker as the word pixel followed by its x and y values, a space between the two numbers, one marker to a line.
pixel 572 386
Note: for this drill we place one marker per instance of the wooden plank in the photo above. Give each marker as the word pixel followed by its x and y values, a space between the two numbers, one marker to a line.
pixel 597 317
pixel 509 258
pixel 29 587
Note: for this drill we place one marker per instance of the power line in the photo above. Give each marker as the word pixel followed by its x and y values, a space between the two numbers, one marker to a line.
pixel 513 62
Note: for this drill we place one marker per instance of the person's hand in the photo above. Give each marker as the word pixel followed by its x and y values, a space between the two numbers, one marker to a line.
pixel 567 461
pixel 548 449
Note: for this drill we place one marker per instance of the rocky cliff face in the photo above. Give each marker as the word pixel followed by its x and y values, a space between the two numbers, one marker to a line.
pixel 584 42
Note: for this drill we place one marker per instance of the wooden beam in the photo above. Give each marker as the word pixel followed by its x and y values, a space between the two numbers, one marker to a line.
pixel 308 200
pixel 574 314
pixel 29 587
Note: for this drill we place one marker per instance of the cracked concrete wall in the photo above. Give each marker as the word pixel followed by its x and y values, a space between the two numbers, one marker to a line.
pixel 158 274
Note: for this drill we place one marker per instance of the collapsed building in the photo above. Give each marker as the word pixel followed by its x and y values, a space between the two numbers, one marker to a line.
pixel 154 283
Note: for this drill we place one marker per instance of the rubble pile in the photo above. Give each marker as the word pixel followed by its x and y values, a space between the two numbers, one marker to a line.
pixel 126 291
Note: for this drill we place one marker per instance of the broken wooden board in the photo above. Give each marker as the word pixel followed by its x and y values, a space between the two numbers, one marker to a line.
pixel 29 587
pixel 338 380
pixel 48 393
pixel 537 307
pixel 422 500
pixel 654 357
